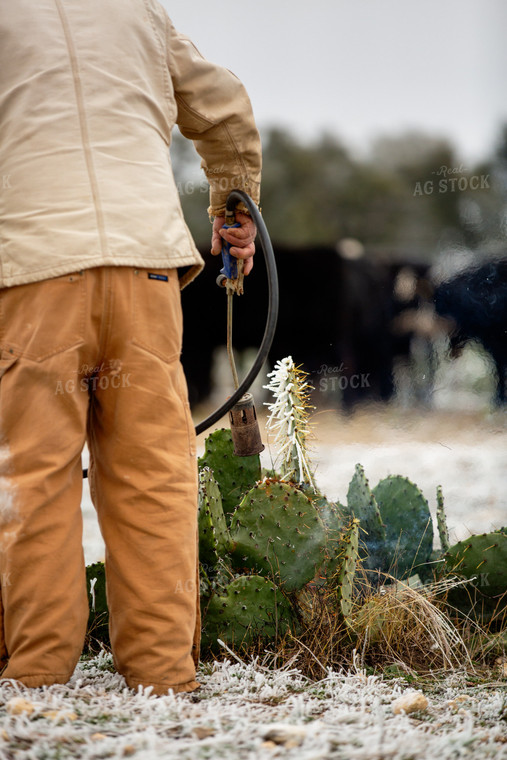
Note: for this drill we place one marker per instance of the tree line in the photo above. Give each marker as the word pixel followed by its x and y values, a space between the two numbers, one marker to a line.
pixel 409 196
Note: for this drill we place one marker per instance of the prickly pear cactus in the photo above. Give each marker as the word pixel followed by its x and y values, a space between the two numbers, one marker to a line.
pixel 362 504
pixel 336 522
pixel 409 528
pixel 98 619
pixel 277 532
pixel 214 537
pixel 483 557
pixel 234 475
pixel 343 579
pixel 443 530
pixel 252 607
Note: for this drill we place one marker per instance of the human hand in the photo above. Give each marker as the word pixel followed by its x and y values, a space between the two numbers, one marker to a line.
pixel 241 239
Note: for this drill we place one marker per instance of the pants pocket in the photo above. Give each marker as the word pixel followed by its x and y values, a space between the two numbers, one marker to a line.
pixel 157 323
pixel 40 319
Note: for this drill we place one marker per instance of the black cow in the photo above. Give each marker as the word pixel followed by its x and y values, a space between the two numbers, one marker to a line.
pixel 335 318
pixel 307 322
pixel 476 301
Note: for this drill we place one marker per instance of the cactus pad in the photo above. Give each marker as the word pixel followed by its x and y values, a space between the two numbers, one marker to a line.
pixel 276 531
pixel 443 530
pixel 409 528
pixel 252 607
pixel 234 475
pixel 483 556
pixel 362 504
pixel 336 524
pixel 344 578
pixel 333 514
pixel 213 534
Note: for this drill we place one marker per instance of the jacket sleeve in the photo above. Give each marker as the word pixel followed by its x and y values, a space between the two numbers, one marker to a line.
pixel 215 112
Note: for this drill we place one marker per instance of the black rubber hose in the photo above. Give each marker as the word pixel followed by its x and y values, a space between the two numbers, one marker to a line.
pixel 238 196
pixel 235 197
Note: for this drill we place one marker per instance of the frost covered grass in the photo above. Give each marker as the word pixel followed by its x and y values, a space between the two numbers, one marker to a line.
pixel 249 710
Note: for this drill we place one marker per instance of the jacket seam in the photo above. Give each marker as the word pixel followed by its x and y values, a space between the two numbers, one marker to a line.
pixel 83 125
pixel 162 46
pixel 152 24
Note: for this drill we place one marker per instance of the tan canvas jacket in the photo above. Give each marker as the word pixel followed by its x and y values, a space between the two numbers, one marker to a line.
pixel 89 94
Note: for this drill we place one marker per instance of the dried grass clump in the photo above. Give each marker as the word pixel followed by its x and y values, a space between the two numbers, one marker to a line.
pixel 391 624
pixel 407 626
pixel 324 643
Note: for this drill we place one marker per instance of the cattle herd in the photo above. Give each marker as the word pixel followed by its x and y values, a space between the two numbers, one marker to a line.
pixel 356 324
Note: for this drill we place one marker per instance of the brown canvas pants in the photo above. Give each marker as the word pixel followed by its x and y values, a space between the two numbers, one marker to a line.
pixel 94 356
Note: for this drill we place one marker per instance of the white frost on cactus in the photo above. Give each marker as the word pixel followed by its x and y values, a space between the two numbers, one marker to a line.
pixel 288 420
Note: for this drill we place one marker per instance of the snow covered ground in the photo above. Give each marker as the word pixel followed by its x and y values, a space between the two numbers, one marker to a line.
pixel 244 712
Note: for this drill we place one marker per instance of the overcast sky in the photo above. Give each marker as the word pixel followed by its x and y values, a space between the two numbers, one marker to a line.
pixel 363 68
